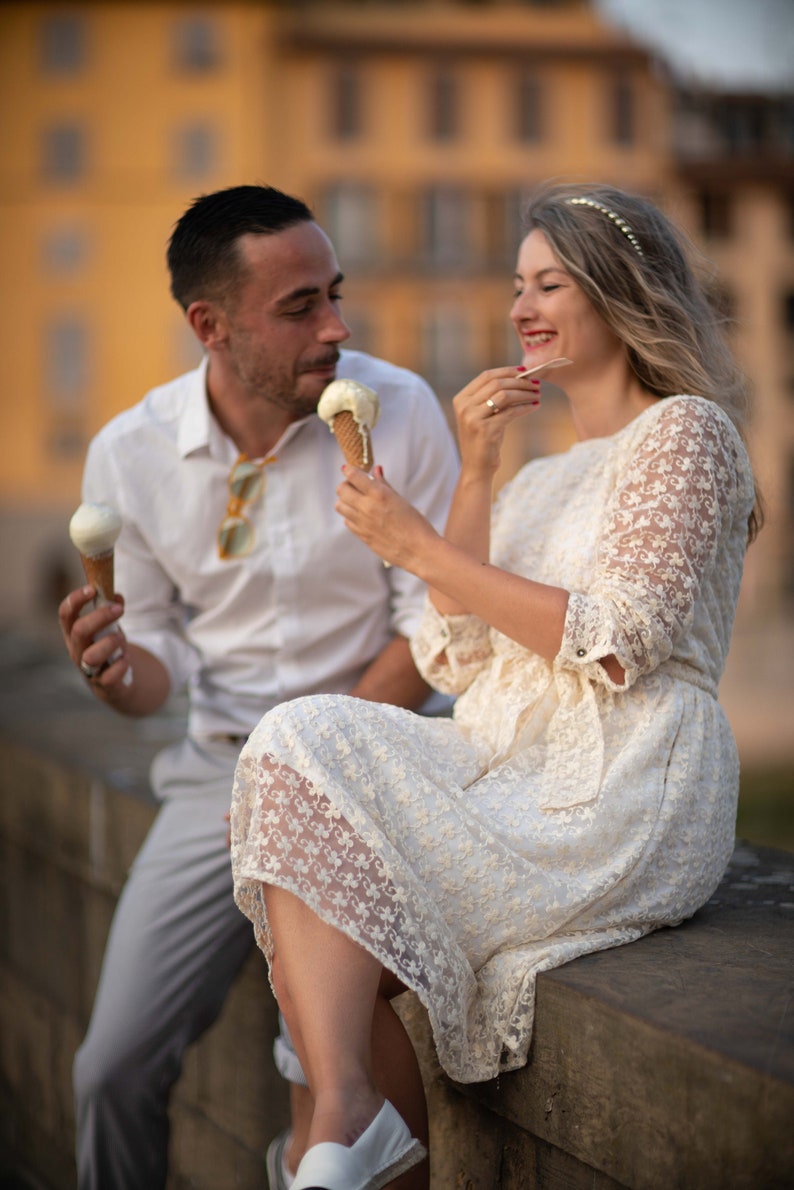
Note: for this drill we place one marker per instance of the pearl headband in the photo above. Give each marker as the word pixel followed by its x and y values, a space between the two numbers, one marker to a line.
pixel 619 222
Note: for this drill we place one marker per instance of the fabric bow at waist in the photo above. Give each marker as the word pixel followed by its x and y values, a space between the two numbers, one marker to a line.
pixel 565 723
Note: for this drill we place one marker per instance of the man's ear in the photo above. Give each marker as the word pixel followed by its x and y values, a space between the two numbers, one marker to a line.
pixel 208 323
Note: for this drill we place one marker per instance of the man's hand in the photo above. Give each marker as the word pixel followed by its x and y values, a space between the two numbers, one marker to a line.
pixel 94 637
pixel 107 660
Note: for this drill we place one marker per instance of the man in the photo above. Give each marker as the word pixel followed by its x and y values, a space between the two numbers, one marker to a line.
pixel 240 581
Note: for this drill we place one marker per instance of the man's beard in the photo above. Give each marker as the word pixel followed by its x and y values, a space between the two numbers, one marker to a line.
pixel 282 390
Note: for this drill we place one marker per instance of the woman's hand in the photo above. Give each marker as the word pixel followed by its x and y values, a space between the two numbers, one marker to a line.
pixel 485 408
pixel 383 520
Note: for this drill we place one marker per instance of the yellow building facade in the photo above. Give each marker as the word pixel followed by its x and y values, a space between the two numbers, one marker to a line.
pixel 413 129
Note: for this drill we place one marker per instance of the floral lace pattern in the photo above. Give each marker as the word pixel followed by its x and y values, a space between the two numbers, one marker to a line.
pixel 558 813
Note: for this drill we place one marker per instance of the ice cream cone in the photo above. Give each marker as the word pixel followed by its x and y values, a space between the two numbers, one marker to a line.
pixel 99 572
pixel 354 439
pixel 94 529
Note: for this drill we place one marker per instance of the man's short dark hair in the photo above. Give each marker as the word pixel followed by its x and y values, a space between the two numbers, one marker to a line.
pixel 203 258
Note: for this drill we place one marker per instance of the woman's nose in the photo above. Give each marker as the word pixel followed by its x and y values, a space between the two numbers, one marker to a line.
pixel 523 307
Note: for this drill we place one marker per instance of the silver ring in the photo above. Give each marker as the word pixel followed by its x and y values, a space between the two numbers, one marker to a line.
pixel 89 671
pixel 494 408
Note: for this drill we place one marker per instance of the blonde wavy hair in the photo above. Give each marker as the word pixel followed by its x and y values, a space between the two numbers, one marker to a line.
pixel 643 278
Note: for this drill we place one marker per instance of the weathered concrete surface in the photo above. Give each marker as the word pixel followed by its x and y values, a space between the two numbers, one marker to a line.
pixel 67 838
pixel 46 704
pixel 66 842
pixel 665 1064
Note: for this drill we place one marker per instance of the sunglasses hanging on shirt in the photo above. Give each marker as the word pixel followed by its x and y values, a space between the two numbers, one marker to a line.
pixel 236 534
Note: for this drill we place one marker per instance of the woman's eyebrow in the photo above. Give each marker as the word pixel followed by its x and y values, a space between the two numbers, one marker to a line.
pixel 552 268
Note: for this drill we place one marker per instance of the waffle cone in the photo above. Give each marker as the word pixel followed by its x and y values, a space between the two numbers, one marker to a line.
pixel 354 440
pixel 99 572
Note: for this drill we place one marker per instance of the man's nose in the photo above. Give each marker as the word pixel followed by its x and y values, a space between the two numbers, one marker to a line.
pixel 334 328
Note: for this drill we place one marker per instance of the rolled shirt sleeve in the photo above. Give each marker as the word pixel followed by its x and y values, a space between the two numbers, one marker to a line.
pixel 153 618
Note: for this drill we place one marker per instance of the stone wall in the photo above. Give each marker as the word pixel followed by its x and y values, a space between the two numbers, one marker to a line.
pixel 668 1063
pixel 65 844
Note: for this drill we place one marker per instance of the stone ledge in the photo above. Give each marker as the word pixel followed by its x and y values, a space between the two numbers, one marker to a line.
pixel 667 1063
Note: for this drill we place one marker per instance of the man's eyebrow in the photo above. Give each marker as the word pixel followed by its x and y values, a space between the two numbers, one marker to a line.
pixel 296 295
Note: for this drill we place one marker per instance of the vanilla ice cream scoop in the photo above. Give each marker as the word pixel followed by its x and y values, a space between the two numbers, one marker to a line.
pixel 350 395
pixel 351 410
pixel 94 529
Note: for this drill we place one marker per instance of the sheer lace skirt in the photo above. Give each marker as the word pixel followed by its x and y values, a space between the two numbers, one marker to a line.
pixel 391 828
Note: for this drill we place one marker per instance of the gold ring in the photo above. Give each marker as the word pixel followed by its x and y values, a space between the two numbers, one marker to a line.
pixel 494 408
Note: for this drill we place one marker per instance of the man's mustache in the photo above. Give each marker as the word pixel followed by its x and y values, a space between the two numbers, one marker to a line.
pixel 327 361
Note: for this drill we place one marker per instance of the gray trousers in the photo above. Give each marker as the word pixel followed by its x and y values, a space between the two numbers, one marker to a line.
pixel 176 943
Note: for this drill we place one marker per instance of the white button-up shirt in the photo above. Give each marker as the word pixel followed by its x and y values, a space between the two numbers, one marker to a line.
pixel 310 606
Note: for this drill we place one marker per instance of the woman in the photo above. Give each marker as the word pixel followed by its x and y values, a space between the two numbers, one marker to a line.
pixel 585 792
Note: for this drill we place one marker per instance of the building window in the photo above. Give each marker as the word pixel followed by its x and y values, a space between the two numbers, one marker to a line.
pixel 445 230
pixel 528 108
pixel 621 111
pixel 346 102
pixel 195 151
pixel 743 126
pixel 504 210
pixel 65 380
pixel 445 347
pixel 350 218
pixel 715 214
pixel 196 45
pixel 443 105
pixel 62 45
pixel 66 356
pixel 64 250
pixel 63 152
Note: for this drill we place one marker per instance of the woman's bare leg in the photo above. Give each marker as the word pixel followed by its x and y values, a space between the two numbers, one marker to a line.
pixel 329 991
pixel 301 1109
pixel 398 1076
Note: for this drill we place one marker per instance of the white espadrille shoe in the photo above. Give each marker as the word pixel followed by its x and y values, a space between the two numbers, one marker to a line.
pixel 383 1151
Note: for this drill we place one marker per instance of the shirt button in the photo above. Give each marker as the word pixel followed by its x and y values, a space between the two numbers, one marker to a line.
pixel 581 652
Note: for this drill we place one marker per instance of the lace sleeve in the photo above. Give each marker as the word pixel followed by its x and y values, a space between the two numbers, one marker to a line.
pixel 450 651
pixel 681 487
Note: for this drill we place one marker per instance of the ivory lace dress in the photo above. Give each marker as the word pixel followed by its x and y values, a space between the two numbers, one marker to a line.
pixel 557 813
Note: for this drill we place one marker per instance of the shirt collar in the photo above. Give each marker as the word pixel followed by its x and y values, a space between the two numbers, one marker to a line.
pixel 195 425
pixel 198 429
